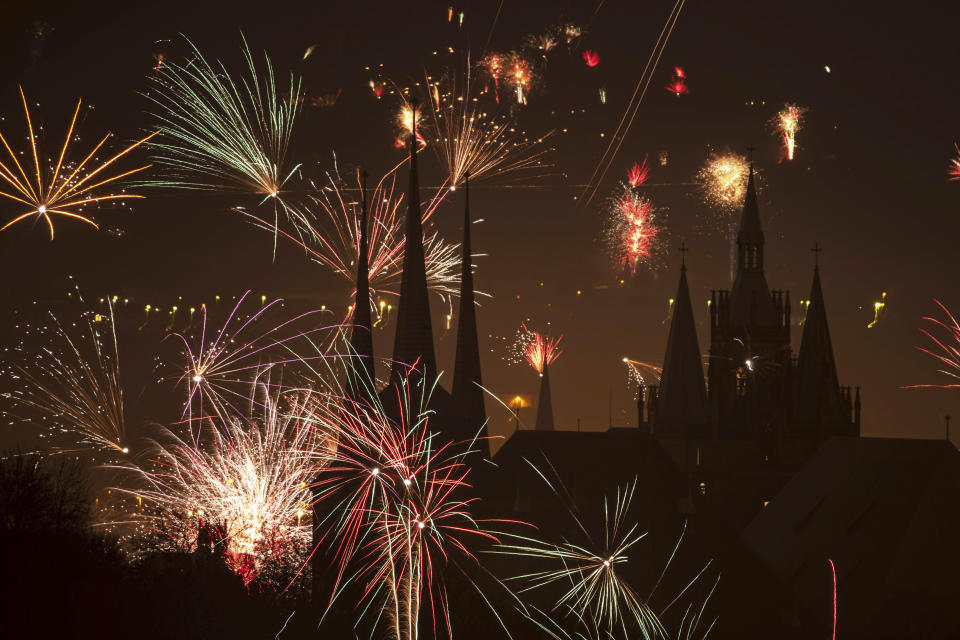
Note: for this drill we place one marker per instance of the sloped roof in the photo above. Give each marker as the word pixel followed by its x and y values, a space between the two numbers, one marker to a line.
pixel 885 511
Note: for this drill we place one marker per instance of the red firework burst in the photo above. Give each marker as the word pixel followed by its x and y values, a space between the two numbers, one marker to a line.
pixel 638 173
pixel 592 58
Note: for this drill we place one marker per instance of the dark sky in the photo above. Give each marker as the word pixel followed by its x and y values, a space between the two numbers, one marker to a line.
pixel 869 182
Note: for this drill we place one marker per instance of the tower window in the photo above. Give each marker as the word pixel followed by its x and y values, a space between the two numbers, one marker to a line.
pixel 741 381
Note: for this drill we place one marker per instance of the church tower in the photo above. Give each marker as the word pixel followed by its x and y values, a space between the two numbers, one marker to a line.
pixel 822 408
pixel 413 346
pixel 467 380
pixel 750 356
pixel 682 400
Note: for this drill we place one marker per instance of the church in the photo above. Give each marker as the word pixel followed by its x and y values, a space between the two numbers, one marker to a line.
pixel 758 466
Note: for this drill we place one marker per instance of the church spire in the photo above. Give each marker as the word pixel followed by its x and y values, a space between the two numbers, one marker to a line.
pixel 361 337
pixel 545 404
pixel 414 337
pixel 819 400
pixel 750 236
pixel 683 395
pixel 751 304
pixel 466 370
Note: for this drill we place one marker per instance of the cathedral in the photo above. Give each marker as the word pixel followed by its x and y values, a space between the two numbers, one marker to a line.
pixel 758 465
pixel 762 411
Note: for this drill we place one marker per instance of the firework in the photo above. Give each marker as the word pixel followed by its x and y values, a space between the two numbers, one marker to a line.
pixel 245 486
pixel 592 58
pixel 632 229
pixel 589 574
pixel 787 123
pixel 493 66
pixel 879 310
pixel 541 350
pixel 68 186
pixel 638 371
pixel 633 106
pixel 946 350
pixel 405 121
pixel 678 87
pixel 377 88
pixel 723 181
pixel 469 140
pixel 638 173
pixel 223 132
pixel 214 368
pixel 679 73
pixel 954 170
pixel 327 230
pixel 73 382
pixel 520 77
pixel 396 513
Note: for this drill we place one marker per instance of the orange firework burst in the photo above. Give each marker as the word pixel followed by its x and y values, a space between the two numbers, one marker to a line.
pixel 520 77
pixel 405 119
pixel 787 124
pixel 541 351
pixel 69 186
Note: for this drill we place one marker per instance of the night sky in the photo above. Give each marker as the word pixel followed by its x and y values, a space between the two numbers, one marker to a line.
pixel 869 182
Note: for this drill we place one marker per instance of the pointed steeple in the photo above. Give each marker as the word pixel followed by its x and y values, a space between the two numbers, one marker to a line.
pixel 751 304
pixel 819 402
pixel 545 404
pixel 683 395
pixel 414 338
pixel 750 233
pixel 466 370
pixel 361 338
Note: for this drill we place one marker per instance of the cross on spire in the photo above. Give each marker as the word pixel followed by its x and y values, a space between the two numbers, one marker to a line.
pixel 683 254
pixel 816 255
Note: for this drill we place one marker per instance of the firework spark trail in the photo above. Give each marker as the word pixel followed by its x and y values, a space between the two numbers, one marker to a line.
pixel 74 383
pixel 328 232
pixel 636 369
pixel 70 185
pixel 222 133
pixel 395 505
pixel 638 173
pixel 787 123
pixel 946 350
pixel 247 480
pixel 596 594
pixel 541 350
pixel 214 368
pixel 469 140
pixel 633 105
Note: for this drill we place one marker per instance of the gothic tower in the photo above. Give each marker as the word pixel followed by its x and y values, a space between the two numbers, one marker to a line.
pixel 750 357
pixel 467 380
pixel 413 346
pixel 682 401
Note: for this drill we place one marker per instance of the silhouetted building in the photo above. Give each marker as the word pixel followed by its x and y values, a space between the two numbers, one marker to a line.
pixel 762 413
pixel 883 510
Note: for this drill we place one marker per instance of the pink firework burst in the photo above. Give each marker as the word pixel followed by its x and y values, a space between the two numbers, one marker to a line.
pixel 639 232
pixel 787 123
pixel 592 58
pixel 946 350
pixel 954 170
pixel 678 87
pixel 679 73
pixel 541 350
pixel 638 173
